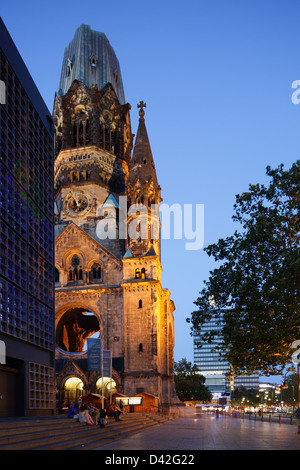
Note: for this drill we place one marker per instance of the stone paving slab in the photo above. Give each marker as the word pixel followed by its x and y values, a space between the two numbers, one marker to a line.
pixel 207 432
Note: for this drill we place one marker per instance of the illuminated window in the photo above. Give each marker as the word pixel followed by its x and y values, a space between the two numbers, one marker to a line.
pixel 73 389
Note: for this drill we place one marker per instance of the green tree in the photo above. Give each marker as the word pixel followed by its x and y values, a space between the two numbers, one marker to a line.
pixel 289 393
pixel 254 293
pixel 189 383
pixel 242 397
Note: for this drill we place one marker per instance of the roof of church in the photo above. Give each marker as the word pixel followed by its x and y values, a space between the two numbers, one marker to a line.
pixel 142 163
pixel 90 59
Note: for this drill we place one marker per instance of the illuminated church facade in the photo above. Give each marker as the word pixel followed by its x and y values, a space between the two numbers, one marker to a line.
pixel 107 244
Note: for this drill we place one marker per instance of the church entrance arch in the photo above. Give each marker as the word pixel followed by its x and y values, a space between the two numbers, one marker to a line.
pixel 74 326
pixel 106 386
pixel 73 389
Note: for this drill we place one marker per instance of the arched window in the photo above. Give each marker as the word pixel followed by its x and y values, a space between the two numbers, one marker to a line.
pixel 80 128
pixel 151 200
pixel 140 303
pixel 96 273
pixel 107 142
pixel 74 134
pixel 139 198
pixel 106 137
pixel 143 273
pixel 75 269
pixel 87 132
pixel 141 347
pixel 80 134
pixel 69 67
pixel 137 273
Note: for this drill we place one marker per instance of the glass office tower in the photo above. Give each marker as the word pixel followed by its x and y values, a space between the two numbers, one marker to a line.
pixel 214 369
pixel 26 241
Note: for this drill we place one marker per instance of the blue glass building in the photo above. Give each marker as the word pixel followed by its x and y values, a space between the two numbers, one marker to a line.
pixel 26 240
pixel 216 370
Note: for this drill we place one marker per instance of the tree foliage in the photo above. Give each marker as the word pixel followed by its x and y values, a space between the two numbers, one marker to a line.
pixel 254 293
pixel 242 396
pixel 189 383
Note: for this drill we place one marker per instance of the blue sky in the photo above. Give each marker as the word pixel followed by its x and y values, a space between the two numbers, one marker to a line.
pixel 216 76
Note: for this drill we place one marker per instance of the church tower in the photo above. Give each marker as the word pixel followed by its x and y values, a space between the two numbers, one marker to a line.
pixel 107 249
pixel 143 193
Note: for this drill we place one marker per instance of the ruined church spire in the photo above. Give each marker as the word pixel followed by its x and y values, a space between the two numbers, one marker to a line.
pixel 90 59
pixel 142 164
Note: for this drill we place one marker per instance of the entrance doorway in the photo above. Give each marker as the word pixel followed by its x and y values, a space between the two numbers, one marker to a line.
pixel 73 389
pixel 12 388
pixel 107 385
pixel 8 380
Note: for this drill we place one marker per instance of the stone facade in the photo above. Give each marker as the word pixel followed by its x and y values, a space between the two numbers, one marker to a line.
pixel 108 279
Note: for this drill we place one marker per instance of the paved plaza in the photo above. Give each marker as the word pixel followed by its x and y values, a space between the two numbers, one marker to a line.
pixel 207 432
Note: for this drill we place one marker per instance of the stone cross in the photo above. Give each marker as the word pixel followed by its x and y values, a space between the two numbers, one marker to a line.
pixel 141 105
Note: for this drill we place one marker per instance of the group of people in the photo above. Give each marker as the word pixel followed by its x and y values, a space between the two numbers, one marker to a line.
pixel 83 413
pixel 90 415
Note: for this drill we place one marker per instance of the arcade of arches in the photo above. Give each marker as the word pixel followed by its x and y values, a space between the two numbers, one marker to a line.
pixel 73 328
pixel 73 388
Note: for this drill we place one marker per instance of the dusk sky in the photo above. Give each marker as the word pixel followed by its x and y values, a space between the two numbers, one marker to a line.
pixel 217 80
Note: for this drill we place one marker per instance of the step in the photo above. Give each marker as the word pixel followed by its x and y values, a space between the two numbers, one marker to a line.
pixel 107 440
pixel 20 427
pixel 28 438
pixel 36 433
pixel 51 427
pixel 96 439
pixel 55 434
pixel 25 423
